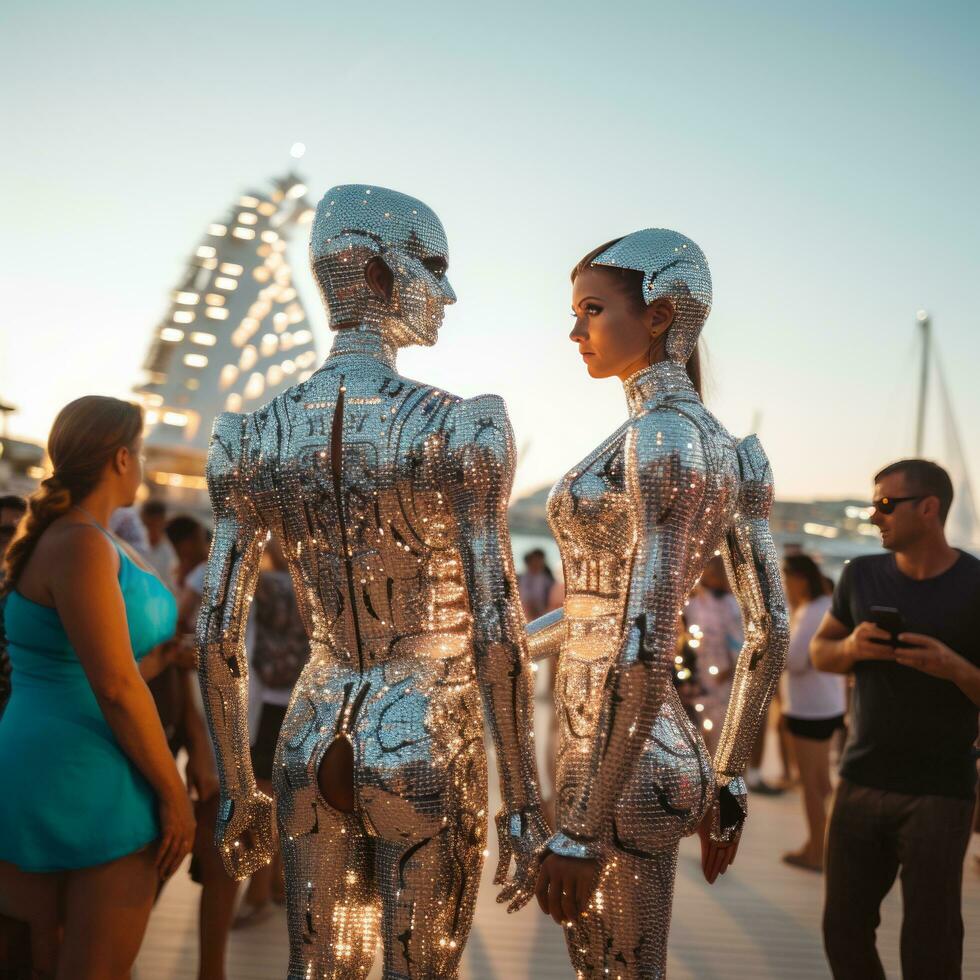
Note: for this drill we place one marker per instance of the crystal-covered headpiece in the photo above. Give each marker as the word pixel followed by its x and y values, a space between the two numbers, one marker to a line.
pixel 355 223
pixel 674 268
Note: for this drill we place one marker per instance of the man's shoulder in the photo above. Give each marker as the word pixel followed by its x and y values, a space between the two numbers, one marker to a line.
pixel 870 565
pixel 968 565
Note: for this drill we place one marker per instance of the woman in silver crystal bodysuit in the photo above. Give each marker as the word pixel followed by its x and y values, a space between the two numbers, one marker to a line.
pixel 388 498
pixel 636 521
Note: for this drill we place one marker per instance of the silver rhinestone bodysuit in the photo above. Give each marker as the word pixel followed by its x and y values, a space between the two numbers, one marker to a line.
pixel 389 498
pixel 635 522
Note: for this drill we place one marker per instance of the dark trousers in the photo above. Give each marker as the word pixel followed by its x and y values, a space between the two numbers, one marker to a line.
pixel 871 835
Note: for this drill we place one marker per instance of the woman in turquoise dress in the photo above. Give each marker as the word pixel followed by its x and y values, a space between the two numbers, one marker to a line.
pixel 93 811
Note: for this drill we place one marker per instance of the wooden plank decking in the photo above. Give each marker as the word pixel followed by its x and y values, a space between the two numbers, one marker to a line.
pixel 761 920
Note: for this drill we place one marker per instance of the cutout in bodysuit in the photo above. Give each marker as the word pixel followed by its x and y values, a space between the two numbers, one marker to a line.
pixel 335 775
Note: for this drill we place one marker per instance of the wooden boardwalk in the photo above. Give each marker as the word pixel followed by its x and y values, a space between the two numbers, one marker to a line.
pixel 761 920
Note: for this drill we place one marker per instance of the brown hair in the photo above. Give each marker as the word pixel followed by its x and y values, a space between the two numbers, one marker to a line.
pixel 808 570
pixel 631 282
pixel 85 436
pixel 923 478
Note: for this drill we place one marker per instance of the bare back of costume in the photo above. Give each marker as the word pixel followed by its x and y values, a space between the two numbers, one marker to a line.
pixel 389 498
pixel 636 521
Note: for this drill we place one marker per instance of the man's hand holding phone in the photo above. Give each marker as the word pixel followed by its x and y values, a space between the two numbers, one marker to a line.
pixel 869 642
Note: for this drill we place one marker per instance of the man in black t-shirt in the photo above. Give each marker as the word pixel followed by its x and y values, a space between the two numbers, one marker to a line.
pixel 908 774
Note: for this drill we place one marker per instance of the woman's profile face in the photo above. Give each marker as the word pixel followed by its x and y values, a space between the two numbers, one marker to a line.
pixel 133 474
pixel 614 332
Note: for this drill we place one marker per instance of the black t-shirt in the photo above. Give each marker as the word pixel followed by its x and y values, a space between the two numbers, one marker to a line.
pixel 911 732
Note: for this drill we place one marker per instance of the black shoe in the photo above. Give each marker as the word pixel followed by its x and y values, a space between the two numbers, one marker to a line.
pixel 763 788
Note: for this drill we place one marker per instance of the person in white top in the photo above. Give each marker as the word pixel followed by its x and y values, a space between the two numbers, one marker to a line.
pixel 815 703
pixel 715 625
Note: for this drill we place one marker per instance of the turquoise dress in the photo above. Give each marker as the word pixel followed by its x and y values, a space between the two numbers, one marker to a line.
pixel 69 796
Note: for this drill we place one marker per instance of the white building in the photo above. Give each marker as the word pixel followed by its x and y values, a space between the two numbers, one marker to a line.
pixel 234 335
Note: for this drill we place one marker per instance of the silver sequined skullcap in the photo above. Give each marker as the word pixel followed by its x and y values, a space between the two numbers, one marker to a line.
pixel 674 268
pixel 355 223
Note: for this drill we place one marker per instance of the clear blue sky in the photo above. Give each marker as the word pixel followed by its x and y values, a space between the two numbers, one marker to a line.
pixel 825 156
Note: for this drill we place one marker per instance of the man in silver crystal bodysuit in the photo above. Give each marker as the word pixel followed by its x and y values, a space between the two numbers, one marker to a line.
pixel 636 521
pixel 389 500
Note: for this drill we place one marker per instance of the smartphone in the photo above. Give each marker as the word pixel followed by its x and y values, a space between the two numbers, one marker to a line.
pixel 890 620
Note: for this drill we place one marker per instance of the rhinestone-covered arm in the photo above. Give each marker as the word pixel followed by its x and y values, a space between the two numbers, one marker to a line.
pixel 665 478
pixel 244 825
pixel 753 571
pixel 545 635
pixel 482 454
pixel 482 463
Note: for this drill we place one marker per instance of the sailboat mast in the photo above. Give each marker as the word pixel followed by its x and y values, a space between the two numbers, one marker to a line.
pixel 925 325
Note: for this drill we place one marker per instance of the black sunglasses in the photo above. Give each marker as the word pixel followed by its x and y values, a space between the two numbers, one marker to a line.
pixel 887 505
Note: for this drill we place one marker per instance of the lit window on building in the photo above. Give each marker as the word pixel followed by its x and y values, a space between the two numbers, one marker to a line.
pixel 183 316
pixel 196 360
pixel 231 268
pixel 254 386
pixel 206 252
pixel 171 335
pixel 226 282
pixel 246 234
pixel 216 313
pixel 204 339
pixel 217 230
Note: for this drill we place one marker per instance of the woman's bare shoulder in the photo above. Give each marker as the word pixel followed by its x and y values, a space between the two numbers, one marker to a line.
pixel 67 552
pixel 70 547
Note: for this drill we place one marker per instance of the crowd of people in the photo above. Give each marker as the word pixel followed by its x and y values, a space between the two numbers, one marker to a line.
pixel 99 607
